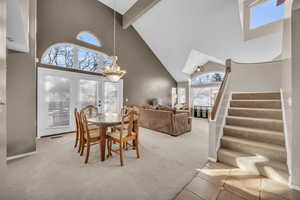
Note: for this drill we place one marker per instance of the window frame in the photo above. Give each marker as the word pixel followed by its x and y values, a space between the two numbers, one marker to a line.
pixel 260 3
pixel 245 15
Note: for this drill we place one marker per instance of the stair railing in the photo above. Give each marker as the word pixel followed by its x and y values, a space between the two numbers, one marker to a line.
pixel 221 91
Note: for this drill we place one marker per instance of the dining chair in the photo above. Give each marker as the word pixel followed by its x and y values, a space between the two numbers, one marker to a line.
pixel 90 110
pixel 78 131
pixel 122 135
pixel 89 136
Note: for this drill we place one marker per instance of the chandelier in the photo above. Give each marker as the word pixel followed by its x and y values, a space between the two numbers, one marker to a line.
pixel 113 72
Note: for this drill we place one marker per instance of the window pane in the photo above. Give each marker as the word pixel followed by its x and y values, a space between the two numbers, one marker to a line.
pixel 181 95
pixel 266 13
pixel 88 38
pixel 72 56
pixel 212 77
pixel 58 99
pixel 204 96
pixel 111 97
pixel 60 55
pixel 87 93
pixel 88 60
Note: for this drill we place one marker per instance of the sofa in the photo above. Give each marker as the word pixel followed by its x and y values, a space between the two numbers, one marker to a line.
pixel 165 119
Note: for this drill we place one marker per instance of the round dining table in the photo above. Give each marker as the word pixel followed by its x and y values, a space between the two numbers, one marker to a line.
pixel 103 121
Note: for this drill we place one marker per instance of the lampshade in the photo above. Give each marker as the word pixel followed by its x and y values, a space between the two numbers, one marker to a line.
pixel 114 72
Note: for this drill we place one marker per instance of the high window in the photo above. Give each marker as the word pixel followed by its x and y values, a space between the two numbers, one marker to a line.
pixel 75 57
pixel 266 13
pixel 211 77
pixel 181 96
pixel 88 38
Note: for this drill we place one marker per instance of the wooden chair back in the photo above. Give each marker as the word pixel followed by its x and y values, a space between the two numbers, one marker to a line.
pixel 90 110
pixel 76 120
pixel 78 128
pixel 84 126
pixel 131 119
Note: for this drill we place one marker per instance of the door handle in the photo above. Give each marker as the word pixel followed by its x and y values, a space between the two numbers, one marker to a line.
pixel 2 103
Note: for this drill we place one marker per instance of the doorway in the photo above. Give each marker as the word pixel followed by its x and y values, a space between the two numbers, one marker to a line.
pixel 60 92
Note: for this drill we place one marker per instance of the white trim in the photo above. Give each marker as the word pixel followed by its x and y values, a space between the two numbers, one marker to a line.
pixel 212 159
pixel 294 187
pixel 20 156
pixel 285 132
pixel 221 133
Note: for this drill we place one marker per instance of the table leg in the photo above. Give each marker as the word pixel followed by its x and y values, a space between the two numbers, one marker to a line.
pixel 102 142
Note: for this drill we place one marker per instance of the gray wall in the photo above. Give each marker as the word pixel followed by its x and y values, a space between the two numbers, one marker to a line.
pixel 146 77
pixel 21 95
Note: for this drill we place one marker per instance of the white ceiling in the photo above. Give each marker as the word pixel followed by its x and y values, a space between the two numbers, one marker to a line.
pixel 121 5
pixel 196 59
pixel 174 28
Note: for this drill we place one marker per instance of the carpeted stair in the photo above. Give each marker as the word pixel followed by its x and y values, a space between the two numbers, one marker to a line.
pixel 253 135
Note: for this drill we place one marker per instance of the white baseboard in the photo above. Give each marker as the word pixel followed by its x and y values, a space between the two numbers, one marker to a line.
pixel 212 159
pixel 20 156
pixel 294 187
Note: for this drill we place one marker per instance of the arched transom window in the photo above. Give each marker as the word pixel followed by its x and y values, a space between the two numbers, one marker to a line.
pixel 77 57
pixel 211 77
pixel 88 38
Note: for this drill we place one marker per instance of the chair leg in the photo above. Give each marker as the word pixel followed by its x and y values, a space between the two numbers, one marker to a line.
pixel 87 153
pixel 80 146
pixel 121 153
pixel 108 147
pixel 137 148
pixel 76 140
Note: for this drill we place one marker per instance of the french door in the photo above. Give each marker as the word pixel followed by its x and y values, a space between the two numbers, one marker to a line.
pixel 60 92
pixel 112 96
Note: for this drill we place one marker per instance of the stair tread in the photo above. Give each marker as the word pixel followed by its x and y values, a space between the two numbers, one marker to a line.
pixel 255 109
pixel 256 100
pixel 263 131
pixel 263 162
pixel 252 118
pixel 256 93
pixel 254 143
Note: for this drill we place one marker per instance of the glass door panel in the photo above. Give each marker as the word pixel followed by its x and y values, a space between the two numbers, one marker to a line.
pixel 58 95
pixel 88 93
pixel 112 98
pixel 55 105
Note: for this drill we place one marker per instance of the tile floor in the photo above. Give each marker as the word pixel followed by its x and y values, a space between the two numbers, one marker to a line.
pixel 217 181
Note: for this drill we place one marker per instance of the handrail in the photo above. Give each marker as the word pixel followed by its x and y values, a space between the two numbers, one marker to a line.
pixel 221 91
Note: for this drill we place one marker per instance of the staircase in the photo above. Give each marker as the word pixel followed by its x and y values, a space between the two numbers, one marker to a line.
pixel 253 137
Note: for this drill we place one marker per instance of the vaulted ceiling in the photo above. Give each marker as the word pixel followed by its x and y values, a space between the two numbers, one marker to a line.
pixel 174 29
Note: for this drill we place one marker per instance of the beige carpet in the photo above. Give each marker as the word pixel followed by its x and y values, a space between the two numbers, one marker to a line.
pixel 57 172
